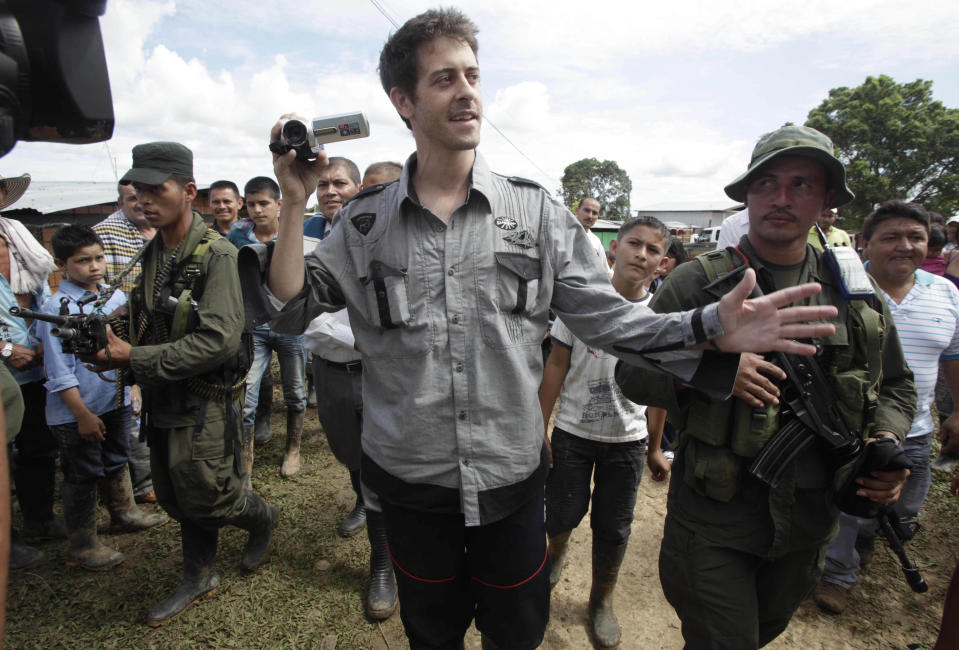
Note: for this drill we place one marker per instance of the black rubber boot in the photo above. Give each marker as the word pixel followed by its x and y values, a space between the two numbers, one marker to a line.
pixel 558 546
pixel 602 620
pixel 354 522
pixel 199 574
pixel 294 432
pixel 262 432
pixel 258 518
pixel 117 493
pixel 381 597
pixel 34 479
pixel 23 556
pixel 487 644
pixel 80 512
pixel 42 531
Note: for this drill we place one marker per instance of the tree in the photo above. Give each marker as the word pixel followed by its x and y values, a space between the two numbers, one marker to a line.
pixel 604 181
pixel 896 142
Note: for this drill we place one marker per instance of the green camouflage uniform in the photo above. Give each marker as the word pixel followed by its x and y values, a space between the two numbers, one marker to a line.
pixel 737 556
pixel 192 455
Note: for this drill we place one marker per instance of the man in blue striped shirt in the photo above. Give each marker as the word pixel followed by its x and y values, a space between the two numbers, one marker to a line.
pixel 925 308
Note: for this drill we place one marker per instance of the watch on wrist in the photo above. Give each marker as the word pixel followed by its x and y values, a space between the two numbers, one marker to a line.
pixel 7 351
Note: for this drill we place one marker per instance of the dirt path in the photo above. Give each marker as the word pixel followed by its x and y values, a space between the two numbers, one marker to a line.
pixel 883 612
pixel 310 593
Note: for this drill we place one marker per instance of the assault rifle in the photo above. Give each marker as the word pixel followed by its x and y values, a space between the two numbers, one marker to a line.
pixel 809 407
pixel 809 400
pixel 78 333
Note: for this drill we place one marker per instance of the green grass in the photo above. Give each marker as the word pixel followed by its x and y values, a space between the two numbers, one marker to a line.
pixel 308 595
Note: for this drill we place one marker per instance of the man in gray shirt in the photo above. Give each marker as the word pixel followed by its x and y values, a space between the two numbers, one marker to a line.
pixel 448 277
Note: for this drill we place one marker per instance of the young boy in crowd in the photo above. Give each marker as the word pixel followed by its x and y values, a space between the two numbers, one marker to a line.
pixel 82 411
pixel 598 430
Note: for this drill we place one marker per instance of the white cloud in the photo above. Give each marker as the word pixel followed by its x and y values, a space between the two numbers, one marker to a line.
pixel 563 80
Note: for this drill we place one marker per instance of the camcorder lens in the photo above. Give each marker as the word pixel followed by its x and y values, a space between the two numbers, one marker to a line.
pixel 294 133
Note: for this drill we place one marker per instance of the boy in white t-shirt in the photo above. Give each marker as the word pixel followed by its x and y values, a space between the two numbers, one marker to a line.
pixel 598 434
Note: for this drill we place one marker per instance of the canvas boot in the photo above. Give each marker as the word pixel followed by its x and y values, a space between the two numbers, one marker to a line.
pixel 294 431
pixel 259 519
pixel 558 545
pixel 247 444
pixel 607 559
pixel 381 597
pixel 80 512
pixel 354 522
pixel 125 516
pixel 23 556
pixel 200 579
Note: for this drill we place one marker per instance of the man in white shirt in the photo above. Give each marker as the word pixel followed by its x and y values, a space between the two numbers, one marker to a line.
pixel 587 213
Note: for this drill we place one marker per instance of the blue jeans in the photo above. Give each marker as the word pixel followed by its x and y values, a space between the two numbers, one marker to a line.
pixel 84 462
pixel 292 356
pixel 842 559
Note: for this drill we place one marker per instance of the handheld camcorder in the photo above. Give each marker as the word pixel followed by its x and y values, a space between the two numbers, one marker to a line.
pixel 78 333
pixel 307 137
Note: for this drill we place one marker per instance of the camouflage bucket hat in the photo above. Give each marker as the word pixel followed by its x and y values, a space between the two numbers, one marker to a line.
pixel 795 141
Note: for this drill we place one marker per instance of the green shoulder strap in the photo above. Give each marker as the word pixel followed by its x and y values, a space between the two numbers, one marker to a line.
pixel 190 273
pixel 716 263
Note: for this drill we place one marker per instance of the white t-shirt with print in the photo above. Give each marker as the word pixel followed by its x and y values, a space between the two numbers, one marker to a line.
pixel 592 406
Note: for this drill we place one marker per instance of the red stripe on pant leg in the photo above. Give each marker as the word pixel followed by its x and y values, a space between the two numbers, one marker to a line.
pixel 520 583
pixel 410 575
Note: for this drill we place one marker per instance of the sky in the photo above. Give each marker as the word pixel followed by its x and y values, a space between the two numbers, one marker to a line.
pixel 675 92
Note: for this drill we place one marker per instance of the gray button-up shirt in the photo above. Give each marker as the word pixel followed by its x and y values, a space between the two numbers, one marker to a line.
pixel 450 318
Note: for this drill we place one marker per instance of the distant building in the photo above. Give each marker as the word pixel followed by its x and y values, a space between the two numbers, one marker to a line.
pixel 695 215
pixel 47 205
pixel 51 203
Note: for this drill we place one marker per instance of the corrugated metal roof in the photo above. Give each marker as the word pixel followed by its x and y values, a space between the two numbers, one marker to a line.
pixel 48 197
pixel 55 196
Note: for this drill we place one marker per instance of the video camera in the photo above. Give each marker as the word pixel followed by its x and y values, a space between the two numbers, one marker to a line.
pixel 53 73
pixel 78 333
pixel 308 137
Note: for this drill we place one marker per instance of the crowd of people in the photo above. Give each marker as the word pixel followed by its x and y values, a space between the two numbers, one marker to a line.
pixel 412 312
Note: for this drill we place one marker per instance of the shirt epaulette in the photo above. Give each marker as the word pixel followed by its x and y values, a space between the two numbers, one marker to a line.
pixel 366 191
pixel 519 180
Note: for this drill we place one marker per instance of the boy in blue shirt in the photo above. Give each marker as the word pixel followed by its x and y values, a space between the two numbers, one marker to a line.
pixel 84 411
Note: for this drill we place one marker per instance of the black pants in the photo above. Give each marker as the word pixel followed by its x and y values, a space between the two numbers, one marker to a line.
pixel 34 469
pixel 448 574
pixel 615 469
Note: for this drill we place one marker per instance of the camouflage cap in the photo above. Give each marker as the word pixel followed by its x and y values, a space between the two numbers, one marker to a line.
pixel 795 141
pixel 155 162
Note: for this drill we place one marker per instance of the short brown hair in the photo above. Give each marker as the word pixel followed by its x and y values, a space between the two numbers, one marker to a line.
pixel 398 58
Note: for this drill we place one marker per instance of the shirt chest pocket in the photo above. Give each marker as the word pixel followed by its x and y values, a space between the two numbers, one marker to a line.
pixel 517 282
pixel 514 316
pixel 397 313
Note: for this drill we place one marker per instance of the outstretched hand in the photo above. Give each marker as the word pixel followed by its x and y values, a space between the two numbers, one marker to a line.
pixel 297 179
pixel 765 324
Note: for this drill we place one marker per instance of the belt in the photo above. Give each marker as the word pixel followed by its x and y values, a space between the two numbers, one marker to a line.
pixel 350 367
